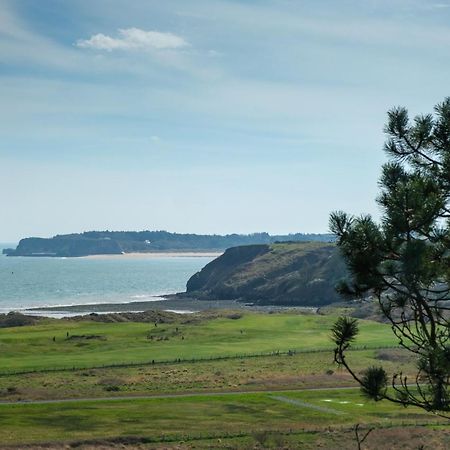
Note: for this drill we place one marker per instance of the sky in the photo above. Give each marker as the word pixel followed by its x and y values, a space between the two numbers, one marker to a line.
pixel 205 116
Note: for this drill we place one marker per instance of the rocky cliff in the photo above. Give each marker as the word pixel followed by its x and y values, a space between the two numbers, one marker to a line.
pixel 303 274
pixel 65 247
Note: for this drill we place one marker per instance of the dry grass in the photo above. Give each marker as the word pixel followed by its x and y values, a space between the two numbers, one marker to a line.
pixel 394 438
pixel 272 372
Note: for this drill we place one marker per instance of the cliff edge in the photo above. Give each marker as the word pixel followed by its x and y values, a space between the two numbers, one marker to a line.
pixel 300 274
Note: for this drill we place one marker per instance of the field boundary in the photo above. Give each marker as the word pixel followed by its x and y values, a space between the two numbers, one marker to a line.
pixel 273 353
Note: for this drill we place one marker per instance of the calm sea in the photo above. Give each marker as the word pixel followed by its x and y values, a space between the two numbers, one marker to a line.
pixel 34 282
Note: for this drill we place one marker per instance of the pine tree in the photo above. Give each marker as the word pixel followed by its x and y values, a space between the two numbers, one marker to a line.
pixel 404 262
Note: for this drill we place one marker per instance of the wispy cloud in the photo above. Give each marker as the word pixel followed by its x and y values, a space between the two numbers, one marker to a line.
pixel 134 39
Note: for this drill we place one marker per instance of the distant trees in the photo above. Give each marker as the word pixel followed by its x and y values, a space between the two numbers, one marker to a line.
pixel 115 242
pixel 405 262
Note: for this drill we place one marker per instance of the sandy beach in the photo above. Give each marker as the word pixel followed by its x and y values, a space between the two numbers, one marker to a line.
pixel 156 255
pixel 164 303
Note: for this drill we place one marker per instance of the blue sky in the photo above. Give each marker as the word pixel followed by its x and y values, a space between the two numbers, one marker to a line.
pixel 205 116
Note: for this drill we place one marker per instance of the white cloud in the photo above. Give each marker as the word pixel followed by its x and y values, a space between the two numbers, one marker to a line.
pixel 134 39
pixel 213 53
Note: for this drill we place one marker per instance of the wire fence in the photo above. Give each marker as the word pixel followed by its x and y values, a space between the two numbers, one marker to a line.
pixel 184 360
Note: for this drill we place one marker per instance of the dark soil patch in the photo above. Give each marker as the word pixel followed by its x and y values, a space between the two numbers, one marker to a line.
pixel 78 337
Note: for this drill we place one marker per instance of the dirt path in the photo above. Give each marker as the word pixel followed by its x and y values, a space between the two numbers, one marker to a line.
pixel 307 405
pixel 160 396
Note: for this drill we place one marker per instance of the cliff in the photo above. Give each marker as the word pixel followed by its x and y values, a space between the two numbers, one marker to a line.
pixel 301 274
pixel 65 247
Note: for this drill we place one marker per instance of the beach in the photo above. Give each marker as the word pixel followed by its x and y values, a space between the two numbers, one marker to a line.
pixel 164 303
pixel 140 255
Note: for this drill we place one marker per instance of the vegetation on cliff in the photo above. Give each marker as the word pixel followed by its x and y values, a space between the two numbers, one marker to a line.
pixel 302 274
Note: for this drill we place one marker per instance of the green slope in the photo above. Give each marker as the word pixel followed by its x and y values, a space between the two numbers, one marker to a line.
pixel 283 273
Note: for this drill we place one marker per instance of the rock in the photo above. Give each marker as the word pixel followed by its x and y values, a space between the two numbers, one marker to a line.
pixel 300 274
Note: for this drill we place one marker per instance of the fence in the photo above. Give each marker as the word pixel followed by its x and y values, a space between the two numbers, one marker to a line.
pixel 272 353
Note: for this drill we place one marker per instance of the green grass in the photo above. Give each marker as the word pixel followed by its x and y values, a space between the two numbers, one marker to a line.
pixel 352 404
pixel 239 420
pixel 33 348
pixel 196 416
pixel 302 370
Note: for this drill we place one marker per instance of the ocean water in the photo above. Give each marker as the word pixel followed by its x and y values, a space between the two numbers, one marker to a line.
pixel 27 282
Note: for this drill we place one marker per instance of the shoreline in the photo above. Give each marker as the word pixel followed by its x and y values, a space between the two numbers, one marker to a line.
pixel 166 303
pixel 142 255
pixel 171 303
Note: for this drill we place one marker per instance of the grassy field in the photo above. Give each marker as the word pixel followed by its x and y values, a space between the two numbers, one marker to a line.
pixel 68 344
pixel 302 370
pixel 202 416
pixel 225 403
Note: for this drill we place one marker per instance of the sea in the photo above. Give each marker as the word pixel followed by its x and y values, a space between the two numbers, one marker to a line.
pixel 30 282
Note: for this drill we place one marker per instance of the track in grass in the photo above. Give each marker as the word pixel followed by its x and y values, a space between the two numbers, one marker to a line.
pixel 195 416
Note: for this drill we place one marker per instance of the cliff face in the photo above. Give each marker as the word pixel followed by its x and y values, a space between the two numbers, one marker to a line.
pixel 65 247
pixel 303 274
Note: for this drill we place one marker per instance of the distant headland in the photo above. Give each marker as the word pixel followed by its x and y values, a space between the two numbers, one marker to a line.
pixel 122 242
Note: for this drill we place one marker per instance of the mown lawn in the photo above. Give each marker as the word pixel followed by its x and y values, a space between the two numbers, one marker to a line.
pixel 92 344
pixel 197 416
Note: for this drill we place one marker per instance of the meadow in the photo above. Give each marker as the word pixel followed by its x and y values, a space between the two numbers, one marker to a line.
pixel 200 417
pixel 240 378
pixel 84 344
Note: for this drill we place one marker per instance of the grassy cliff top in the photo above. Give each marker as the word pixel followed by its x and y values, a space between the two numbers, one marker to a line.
pixel 289 273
